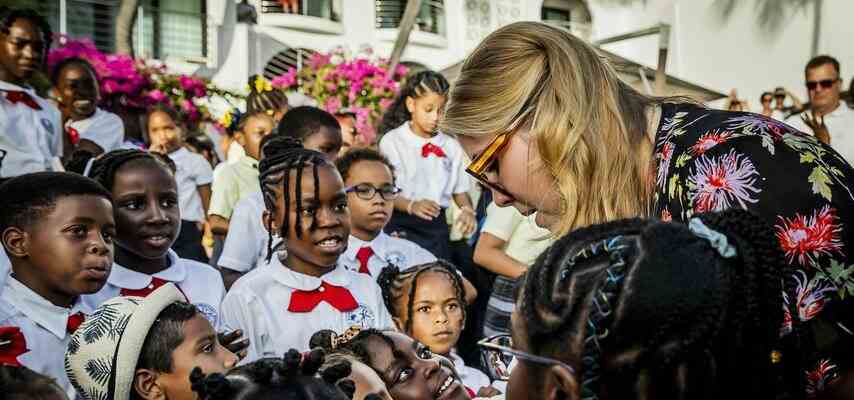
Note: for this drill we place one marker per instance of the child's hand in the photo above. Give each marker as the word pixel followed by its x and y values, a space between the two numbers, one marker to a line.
pixel 466 222
pixel 488 391
pixel 230 341
pixel 425 209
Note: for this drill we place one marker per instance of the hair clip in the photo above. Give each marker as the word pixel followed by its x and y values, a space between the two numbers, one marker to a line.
pixel 262 85
pixel 346 336
pixel 718 240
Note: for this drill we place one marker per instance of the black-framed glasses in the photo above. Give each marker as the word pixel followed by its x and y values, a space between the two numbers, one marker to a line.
pixel 498 352
pixel 824 83
pixel 366 191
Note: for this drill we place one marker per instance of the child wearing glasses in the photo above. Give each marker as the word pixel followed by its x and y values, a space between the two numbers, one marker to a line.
pixel 429 166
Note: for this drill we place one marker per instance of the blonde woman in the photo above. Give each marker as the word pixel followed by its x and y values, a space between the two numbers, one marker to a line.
pixel 553 131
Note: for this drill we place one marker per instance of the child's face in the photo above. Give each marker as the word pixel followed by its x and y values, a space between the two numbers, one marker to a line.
pixel 258 126
pixel 146 201
pixel 162 129
pixel 315 251
pixel 22 51
pixel 369 216
pixel 437 312
pixel 326 141
pixel 78 89
pixel 426 112
pixel 367 382
pixel 412 372
pixel 69 251
pixel 200 348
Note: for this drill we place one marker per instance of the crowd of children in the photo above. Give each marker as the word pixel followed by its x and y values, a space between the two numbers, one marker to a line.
pixel 328 275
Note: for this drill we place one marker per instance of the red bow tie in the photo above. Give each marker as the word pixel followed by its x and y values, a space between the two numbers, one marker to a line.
pixel 144 292
pixel 74 322
pixel 303 301
pixel 12 344
pixel 363 255
pixel 432 148
pixel 73 135
pixel 18 96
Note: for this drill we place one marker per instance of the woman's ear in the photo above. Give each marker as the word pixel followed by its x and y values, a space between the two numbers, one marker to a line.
pixel 146 386
pixel 560 384
pixel 410 104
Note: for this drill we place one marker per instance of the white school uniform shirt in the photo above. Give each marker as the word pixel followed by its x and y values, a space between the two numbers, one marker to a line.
pixel 245 246
pixel 43 325
pixel 193 171
pixel 432 178
pixel 5 267
pixel 31 138
pixel 258 304
pixel 103 128
pixel 472 378
pixel 840 125
pixel 200 283
pixel 388 249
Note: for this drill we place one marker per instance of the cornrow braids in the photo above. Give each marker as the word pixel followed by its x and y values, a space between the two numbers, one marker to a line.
pixel 295 376
pixel 263 98
pixel 393 283
pixel 104 167
pixel 276 166
pixel 417 85
pixel 655 310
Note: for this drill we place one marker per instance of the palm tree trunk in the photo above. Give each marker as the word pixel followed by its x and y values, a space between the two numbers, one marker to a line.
pixel 124 26
pixel 403 31
pixel 816 25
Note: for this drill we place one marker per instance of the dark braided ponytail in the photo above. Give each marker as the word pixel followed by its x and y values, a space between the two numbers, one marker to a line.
pixel 395 283
pixel 646 309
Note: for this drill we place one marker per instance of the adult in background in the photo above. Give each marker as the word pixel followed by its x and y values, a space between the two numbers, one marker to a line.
pixel 553 131
pixel 829 118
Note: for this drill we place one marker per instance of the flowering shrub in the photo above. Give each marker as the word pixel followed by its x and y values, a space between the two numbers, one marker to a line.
pixel 362 85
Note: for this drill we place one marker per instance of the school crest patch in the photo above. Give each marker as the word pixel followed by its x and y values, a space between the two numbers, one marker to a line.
pixel 361 316
pixel 48 126
pixel 396 258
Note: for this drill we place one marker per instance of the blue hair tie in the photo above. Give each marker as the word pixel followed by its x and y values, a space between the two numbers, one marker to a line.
pixel 718 240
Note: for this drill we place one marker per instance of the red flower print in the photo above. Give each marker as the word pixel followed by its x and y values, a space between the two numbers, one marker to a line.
pixel 720 183
pixel 12 344
pixel 818 378
pixel 806 238
pixel 666 216
pixel 664 164
pixel 709 140
pixel 810 292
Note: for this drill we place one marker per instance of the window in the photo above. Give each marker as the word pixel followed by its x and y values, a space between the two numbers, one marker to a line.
pixel 431 17
pixel 326 9
pixel 285 60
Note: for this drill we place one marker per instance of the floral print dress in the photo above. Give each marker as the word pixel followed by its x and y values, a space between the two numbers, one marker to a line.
pixel 710 160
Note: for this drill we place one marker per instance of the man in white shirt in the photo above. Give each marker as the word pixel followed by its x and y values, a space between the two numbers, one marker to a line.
pixel 30 127
pixel 824 85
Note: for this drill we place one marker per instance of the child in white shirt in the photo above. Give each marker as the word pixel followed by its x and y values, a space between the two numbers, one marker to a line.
pixel 58 231
pixel 307 290
pixel 429 166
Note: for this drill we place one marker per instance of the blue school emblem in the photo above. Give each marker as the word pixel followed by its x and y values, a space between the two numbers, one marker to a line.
pixel 447 164
pixel 48 126
pixel 396 258
pixel 208 312
pixel 362 316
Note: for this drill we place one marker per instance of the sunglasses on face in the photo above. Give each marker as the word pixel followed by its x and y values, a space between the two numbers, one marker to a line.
pixel 486 163
pixel 824 83
pixel 498 352
pixel 367 191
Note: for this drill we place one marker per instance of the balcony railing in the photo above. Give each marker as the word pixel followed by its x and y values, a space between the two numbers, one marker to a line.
pixel 431 17
pixel 326 9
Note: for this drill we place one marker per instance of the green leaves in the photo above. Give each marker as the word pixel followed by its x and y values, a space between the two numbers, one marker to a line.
pixel 821 182
pixel 841 276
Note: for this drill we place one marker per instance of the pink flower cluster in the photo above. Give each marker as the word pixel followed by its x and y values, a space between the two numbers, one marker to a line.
pixel 193 85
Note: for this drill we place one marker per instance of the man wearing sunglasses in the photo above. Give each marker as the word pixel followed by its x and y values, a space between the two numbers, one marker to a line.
pixel 827 115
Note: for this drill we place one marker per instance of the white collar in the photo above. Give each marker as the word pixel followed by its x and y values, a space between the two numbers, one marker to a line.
pixel 85 122
pixel 38 309
pixel 379 245
pixel 181 152
pixel 839 111
pixel 126 278
pixel 248 161
pixel 340 276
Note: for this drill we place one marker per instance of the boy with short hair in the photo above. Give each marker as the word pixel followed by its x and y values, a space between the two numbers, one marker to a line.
pixel 57 229
pixel 144 348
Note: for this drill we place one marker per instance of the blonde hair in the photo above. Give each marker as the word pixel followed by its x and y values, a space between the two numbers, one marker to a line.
pixel 589 126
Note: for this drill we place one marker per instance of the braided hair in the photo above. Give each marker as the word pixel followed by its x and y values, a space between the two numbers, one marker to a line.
pixel 280 157
pixel 650 309
pixel 104 167
pixel 420 84
pixel 394 283
pixel 263 97
pixel 293 377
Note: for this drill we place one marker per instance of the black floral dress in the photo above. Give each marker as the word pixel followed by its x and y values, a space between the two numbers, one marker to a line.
pixel 711 160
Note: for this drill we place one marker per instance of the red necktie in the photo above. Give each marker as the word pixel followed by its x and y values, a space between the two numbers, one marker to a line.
pixel 472 394
pixel 18 96
pixel 73 135
pixel 155 283
pixel 12 344
pixel 432 148
pixel 303 301
pixel 74 322
pixel 363 255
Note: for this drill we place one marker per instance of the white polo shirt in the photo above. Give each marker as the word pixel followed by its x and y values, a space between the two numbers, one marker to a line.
pixel 387 250
pixel 193 171
pixel 258 304
pixel 103 128
pixel 245 244
pixel 433 178
pixel 5 266
pixel 840 124
pixel 31 138
pixel 43 325
pixel 472 378
pixel 200 283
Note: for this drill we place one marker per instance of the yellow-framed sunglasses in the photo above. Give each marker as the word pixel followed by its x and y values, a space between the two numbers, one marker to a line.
pixel 484 161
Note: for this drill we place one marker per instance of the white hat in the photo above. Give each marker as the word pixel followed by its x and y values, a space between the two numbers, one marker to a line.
pixel 102 354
